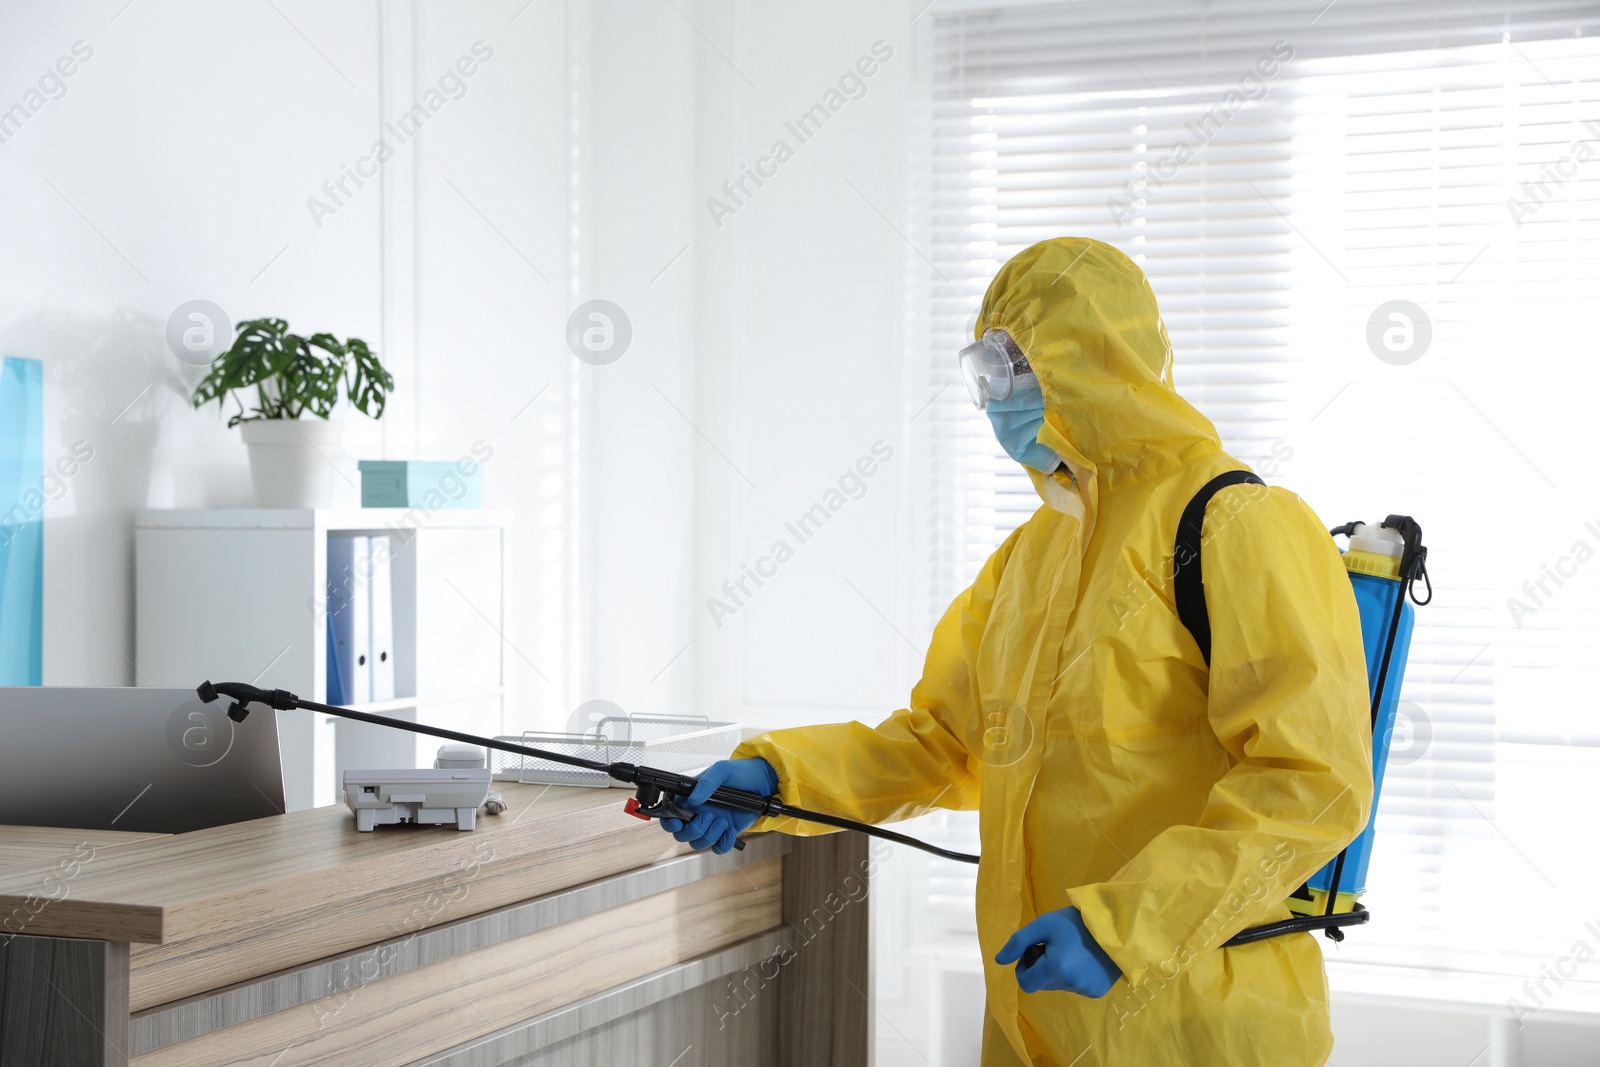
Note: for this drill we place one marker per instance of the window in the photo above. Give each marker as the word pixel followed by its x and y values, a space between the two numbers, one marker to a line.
pixel 1285 181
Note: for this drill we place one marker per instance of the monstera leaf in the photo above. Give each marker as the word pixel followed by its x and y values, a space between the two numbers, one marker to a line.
pixel 294 376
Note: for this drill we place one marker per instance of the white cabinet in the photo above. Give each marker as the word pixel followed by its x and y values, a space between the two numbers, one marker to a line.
pixel 240 595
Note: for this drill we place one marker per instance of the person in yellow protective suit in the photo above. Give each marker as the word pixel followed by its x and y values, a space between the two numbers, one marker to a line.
pixel 1136 808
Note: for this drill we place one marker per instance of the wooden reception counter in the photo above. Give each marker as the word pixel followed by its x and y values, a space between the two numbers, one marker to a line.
pixel 560 933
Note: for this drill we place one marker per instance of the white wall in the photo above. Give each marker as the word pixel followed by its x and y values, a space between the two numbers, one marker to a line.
pixel 639 413
pixel 800 364
pixel 767 356
pixel 493 264
pixel 162 175
pixel 178 165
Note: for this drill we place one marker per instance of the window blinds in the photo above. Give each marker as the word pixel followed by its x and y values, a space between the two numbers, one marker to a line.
pixel 1285 175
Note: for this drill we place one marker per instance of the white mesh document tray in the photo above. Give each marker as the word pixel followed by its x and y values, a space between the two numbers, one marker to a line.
pixel 684 744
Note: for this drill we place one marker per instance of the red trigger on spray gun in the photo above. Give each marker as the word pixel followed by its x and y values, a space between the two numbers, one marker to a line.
pixel 652 803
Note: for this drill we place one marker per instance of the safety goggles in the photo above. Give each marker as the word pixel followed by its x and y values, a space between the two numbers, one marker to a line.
pixel 992 367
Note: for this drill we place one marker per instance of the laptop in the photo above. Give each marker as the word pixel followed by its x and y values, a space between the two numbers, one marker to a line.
pixel 143 760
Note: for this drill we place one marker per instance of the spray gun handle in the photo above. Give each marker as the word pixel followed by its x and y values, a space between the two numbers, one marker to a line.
pixel 657 790
pixel 682 785
pixel 740 800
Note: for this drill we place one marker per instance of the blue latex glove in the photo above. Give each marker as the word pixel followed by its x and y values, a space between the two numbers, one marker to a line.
pixel 1017 420
pixel 714 826
pixel 1072 961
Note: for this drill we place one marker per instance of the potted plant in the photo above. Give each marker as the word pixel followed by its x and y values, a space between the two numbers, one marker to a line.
pixel 292 438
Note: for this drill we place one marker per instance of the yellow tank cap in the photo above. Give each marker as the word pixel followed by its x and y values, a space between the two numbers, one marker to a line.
pixel 1373 564
pixel 1318 904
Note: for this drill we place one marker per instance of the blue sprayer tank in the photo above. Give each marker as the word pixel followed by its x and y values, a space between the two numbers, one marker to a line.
pixel 1375 561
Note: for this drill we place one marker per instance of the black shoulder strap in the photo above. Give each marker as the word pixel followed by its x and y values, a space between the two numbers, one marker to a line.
pixel 1188 588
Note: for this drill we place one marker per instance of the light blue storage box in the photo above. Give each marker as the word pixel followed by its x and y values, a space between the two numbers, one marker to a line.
pixel 414 483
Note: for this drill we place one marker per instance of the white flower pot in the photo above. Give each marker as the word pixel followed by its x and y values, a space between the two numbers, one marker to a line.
pixel 294 463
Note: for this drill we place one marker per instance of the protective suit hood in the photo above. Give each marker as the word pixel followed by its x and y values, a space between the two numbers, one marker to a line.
pixel 1086 318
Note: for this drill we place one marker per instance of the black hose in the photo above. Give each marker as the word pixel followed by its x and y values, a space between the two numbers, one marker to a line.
pixel 874 831
pixel 1301 924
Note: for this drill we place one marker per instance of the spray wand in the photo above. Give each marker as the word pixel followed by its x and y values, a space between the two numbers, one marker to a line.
pixel 657 793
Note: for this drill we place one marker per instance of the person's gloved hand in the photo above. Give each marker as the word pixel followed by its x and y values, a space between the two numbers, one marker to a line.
pixel 714 826
pixel 1072 960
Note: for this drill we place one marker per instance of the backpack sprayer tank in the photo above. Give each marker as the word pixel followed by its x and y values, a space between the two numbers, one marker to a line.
pixel 1382 560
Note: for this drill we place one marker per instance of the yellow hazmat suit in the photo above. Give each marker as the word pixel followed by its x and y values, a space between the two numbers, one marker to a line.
pixel 1063 698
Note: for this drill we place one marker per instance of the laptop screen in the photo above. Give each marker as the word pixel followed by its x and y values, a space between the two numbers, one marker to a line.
pixel 144 760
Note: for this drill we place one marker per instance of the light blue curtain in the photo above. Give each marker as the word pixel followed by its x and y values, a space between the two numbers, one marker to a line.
pixel 21 522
